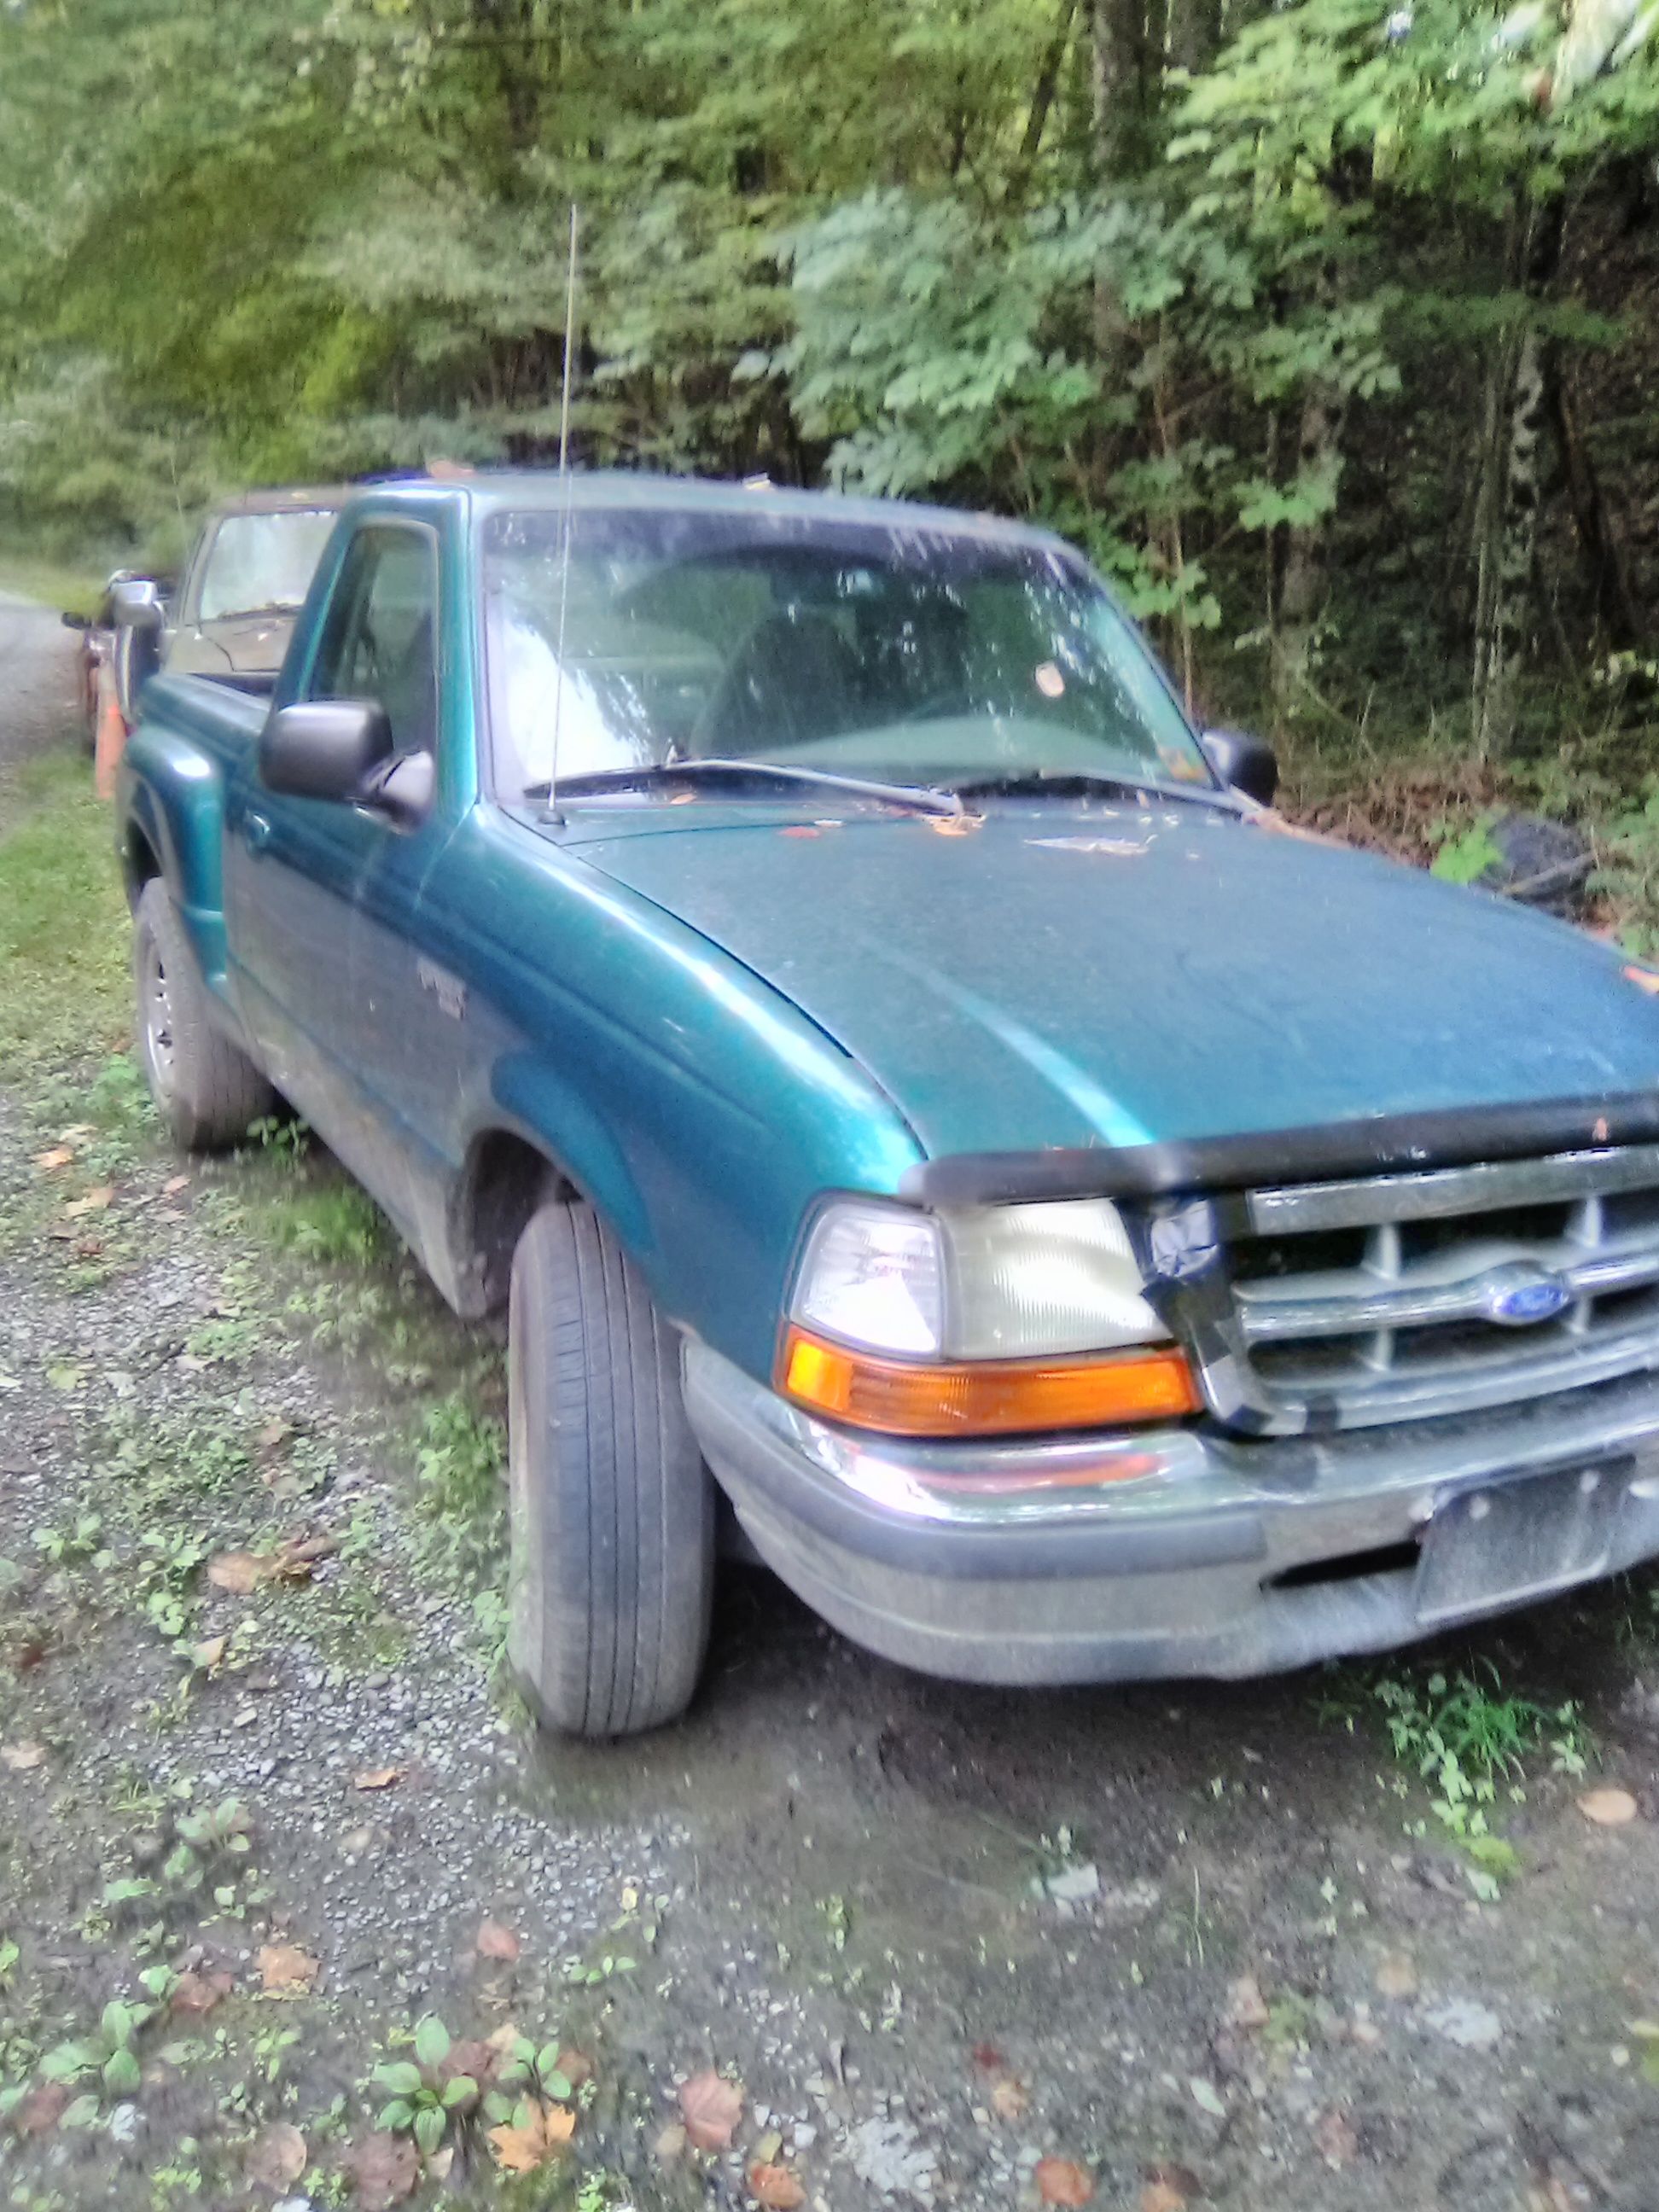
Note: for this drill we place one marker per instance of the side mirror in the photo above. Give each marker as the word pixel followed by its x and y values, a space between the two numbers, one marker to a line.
pixel 1243 763
pixel 136 606
pixel 324 749
pixel 72 621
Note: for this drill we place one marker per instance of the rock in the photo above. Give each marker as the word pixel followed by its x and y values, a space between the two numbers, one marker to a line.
pixel 890 2159
pixel 1542 863
pixel 1397 1976
pixel 1247 2008
pixel 1471 2025
pixel 1075 1885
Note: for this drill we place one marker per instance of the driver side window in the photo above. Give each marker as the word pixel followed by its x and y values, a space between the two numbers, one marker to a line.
pixel 379 641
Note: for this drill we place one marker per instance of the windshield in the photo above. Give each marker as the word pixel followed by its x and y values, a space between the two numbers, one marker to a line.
pixel 259 562
pixel 906 654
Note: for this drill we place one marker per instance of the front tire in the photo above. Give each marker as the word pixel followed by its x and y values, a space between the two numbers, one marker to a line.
pixel 206 1089
pixel 612 1509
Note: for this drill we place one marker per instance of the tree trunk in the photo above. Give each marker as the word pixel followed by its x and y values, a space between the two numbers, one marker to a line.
pixel 1304 577
pixel 1507 519
pixel 1125 83
pixel 1598 545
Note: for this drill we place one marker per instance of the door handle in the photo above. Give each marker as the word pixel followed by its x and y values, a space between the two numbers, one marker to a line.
pixel 256 831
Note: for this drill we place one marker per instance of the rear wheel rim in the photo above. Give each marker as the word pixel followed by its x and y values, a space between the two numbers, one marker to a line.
pixel 156 997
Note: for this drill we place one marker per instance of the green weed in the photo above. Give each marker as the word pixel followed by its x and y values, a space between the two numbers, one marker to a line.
pixel 63 979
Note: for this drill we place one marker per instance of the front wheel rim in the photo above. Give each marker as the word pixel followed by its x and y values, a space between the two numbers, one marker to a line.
pixel 156 1002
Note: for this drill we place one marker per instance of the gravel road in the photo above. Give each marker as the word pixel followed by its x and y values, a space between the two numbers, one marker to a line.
pixel 1209 1944
pixel 37 680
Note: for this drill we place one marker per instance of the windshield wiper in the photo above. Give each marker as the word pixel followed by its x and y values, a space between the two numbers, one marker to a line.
pixel 1072 783
pixel 247 614
pixel 925 798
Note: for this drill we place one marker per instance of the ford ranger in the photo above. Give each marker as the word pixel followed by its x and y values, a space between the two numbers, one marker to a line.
pixel 901 1079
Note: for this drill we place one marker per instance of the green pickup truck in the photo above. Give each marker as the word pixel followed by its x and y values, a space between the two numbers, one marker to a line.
pixel 796 953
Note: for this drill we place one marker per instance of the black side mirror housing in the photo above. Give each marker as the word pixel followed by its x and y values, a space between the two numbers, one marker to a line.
pixel 70 620
pixel 1243 763
pixel 325 747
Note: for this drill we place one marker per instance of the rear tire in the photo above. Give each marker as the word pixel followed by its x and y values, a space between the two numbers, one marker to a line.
pixel 205 1088
pixel 612 1509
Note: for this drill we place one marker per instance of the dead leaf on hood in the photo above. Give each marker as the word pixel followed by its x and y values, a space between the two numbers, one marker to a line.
pixel 496 1942
pixel 22 1758
pixel 1062 2181
pixel 285 1970
pixel 1608 1808
pixel 775 2187
pixel 547 2129
pixel 383 2170
pixel 378 1777
pixel 711 2107
pixel 277 2157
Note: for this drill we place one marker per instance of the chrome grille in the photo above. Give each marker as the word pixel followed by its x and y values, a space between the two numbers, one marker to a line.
pixel 1341 1306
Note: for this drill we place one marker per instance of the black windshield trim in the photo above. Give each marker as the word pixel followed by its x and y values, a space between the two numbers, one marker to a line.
pixel 1074 782
pixel 594 783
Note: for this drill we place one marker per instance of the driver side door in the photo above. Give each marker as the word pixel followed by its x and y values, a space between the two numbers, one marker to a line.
pixel 295 869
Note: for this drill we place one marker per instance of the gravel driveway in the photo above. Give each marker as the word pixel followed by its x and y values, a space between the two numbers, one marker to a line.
pixel 956 1948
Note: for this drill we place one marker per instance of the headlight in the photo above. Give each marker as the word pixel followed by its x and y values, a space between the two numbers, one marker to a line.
pixel 1005 1282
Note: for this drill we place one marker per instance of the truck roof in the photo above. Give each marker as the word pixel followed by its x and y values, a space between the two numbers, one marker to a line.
pixel 281 499
pixel 493 489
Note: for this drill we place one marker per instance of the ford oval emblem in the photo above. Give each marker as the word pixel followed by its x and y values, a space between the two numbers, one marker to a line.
pixel 1520 1304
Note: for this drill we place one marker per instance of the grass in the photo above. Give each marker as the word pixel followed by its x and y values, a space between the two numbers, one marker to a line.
pixel 52 583
pixel 64 987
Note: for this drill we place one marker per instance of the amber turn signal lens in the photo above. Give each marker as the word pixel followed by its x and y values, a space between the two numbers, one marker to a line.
pixel 985 1397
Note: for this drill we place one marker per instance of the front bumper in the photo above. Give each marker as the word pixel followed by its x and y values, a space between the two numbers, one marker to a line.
pixel 1165 1551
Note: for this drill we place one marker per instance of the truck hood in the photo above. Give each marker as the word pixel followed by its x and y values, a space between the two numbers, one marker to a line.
pixel 1060 976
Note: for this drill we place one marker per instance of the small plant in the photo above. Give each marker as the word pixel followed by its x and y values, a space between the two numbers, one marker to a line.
pixel 222 1827
pixel 1464 855
pixel 425 2096
pixel 528 2075
pixel 75 1546
pixel 108 2057
pixel 284 1136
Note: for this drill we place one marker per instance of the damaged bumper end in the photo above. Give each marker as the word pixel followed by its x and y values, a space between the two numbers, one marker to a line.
pixel 1181 1551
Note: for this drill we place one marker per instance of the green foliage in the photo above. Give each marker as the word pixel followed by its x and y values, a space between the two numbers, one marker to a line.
pixel 425 2095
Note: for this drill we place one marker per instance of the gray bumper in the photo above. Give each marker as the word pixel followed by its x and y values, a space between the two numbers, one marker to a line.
pixel 1165 1551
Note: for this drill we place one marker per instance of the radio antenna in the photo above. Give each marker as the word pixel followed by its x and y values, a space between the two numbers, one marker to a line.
pixel 564 491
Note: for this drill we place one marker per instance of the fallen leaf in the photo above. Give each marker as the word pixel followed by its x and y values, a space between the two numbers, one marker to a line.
pixel 1062 2181
pixel 670 2144
pixel 77 1133
pixel 989 2059
pixel 38 2112
pixel 209 1657
pixel 548 2129
pixel 1208 2097
pixel 504 2041
pixel 278 2156
pixel 1397 1976
pixel 1334 2139
pixel 275 1434
pixel 58 1156
pixel 378 1777
pixel 1008 2098
pixel 475 2061
pixel 199 1993
pixel 174 1184
pixel 575 2066
pixel 240 1572
pixel 285 1970
pixel 383 2169
pixel 94 1201
pixel 22 1758
pixel 775 2187
pixel 1169 2187
pixel 1607 1809
pixel 496 1942
pixel 1247 2008
pixel 711 2107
